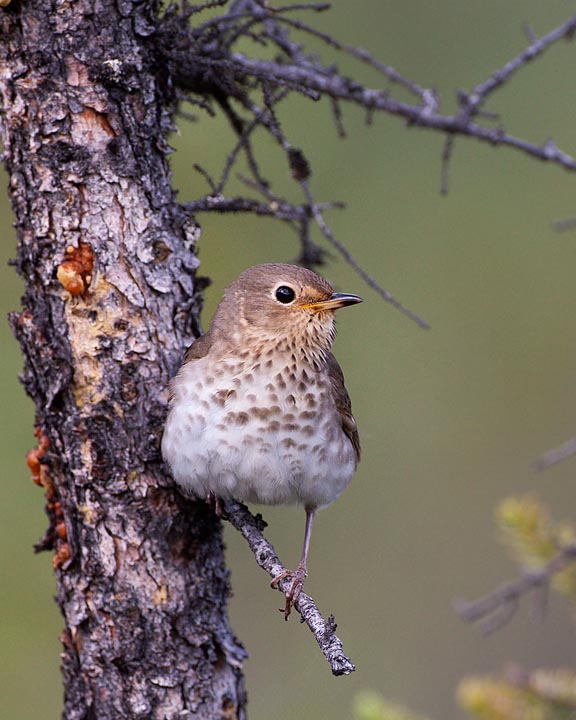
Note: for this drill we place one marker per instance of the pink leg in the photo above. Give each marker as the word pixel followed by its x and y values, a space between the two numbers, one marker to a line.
pixel 300 573
pixel 215 504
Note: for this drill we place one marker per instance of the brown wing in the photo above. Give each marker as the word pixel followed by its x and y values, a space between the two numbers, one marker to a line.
pixel 343 404
pixel 199 348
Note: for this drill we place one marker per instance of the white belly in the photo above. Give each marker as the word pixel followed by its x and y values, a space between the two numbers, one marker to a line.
pixel 237 432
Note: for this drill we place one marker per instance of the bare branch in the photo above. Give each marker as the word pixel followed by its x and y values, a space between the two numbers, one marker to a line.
pixel 190 10
pixel 244 142
pixel 564 224
pixel 301 173
pixel 282 210
pixel 337 86
pixel 426 96
pixel 324 631
pixel 536 48
pixel 204 62
pixel 556 455
pixel 495 609
pixel 317 7
pixel 217 203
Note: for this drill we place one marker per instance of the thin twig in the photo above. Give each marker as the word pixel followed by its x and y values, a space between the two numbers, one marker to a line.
pixel 530 34
pixel 316 7
pixel 556 455
pixel 243 142
pixel 351 260
pixel 391 73
pixel 446 157
pixel 255 12
pixel 536 48
pixel 206 175
pixel 200 103
pixel 323 630
pixel 300 172
pixel 495 609
pixel 337 114
pixel 194 9
pixel 564 224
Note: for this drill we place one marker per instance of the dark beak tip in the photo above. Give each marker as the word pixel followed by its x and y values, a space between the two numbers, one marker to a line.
pixel 346 298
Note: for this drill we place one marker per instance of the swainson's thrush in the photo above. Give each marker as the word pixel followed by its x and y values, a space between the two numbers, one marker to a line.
pixel 259 411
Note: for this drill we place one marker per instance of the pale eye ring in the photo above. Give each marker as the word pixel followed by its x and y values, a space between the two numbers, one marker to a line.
pixel 284 294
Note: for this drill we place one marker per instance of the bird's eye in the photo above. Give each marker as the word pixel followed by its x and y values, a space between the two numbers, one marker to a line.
pixel 285 294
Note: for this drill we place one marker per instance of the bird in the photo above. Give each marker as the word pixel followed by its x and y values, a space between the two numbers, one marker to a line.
pixel 259 411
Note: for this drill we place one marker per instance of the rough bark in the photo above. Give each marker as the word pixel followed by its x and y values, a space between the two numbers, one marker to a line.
pixel 110 302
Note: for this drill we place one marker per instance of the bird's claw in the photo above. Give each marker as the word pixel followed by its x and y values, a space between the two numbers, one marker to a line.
pixel 292 595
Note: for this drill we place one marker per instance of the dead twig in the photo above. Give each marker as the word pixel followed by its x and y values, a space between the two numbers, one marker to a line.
pixel 495 609
pixel 556 455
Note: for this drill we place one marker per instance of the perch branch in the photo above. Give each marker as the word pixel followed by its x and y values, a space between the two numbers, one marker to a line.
pixel 495 609
pixel 324 631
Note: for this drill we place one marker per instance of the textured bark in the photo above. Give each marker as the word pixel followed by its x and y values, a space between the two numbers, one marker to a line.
pixel 108 258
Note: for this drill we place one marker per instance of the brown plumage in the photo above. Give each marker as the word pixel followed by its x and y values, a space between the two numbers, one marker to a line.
pixel 260 411
pixel 342 402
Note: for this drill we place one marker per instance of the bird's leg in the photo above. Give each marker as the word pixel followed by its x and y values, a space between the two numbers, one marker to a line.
pixel 298 575
pixel 215 504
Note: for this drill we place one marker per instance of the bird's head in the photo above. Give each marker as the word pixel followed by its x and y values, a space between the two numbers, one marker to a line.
pixel 284 306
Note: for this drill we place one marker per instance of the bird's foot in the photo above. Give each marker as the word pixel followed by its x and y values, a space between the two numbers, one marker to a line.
pixel 215 504
pixel 298 577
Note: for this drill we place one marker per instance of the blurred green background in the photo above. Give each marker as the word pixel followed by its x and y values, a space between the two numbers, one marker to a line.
pixel 450 419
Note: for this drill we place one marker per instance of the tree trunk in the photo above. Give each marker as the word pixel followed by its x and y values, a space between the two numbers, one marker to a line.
pixel 110 303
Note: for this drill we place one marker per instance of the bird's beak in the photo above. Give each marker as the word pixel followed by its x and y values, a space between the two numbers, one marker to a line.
pixel 335 301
